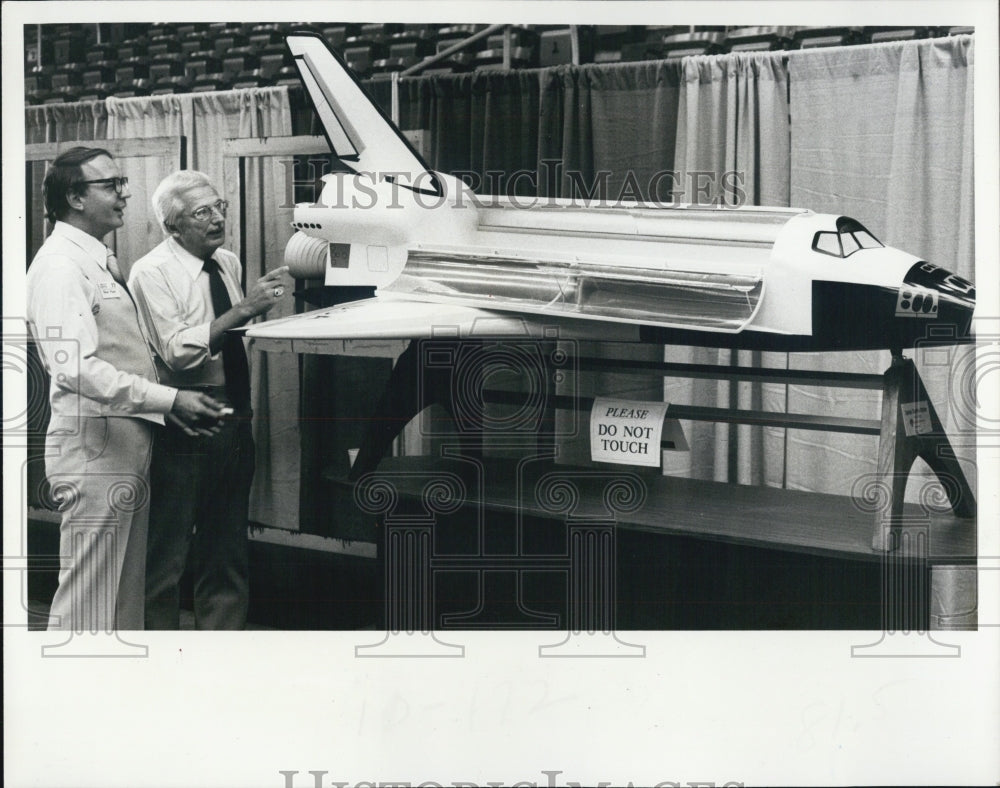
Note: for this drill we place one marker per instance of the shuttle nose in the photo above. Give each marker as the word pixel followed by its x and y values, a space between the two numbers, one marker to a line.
pixel 934 292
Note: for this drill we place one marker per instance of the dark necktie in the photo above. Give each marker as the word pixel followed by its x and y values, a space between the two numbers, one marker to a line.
pixel 234 355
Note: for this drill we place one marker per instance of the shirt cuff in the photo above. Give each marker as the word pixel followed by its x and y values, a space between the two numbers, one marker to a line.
pixel 200 335
pixel 160 398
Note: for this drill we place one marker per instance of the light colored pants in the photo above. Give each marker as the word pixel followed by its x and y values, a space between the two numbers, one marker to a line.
pixel 98 471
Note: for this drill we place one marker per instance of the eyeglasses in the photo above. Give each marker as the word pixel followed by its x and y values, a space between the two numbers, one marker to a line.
pixel 205 213
pixel 118 183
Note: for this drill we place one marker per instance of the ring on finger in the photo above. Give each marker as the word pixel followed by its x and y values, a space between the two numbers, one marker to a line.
pixel 279 292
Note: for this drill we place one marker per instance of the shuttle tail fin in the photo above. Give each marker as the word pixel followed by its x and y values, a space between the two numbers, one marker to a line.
pixel 359 132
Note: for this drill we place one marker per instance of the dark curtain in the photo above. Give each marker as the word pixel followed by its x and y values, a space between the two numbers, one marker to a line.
pixel 613 125
pixel 482 126
pixel 546 132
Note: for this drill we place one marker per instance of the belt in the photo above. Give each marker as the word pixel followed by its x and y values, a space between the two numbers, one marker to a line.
pixel 210 389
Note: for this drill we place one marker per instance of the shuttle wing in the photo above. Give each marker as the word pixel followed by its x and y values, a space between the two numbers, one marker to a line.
pixel 377 318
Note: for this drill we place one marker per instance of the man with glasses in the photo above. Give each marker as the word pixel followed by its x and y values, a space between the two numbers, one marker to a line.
pixel 190 297
pixel 104 397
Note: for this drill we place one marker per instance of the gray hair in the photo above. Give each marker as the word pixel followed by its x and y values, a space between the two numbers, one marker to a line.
pixel 168 199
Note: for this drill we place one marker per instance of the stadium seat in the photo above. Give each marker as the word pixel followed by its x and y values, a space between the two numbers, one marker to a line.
pixel 492 59
pixel 454 34
pixel 521 37
pixel 809 37
pixel 462 60
pixel 99 72
pixel 273 58
pixel 386 66
pixel 203 64
pixel 210 82
pixel 880 35
pixel 132 88
pixel 161 29
pixel 66 94
pixel 657 33
pixel 375 49
pixel 555 47
pixel 97 91
pixel 416 43
pixel 228 41
pixel 68 48
pixel 759 39
pixel 263 36
pixel 287 75
pixel 240 60
pixel 172 84
pixel 37 81
pixel 336 35
pixel 610 39
pixel 142 58
pixel 36 53
pixel 250 79
pixel 98 53
pixel 65 76
pixel 170 65
pixel 360 55
pixel 643 50
pixel 163 45
pixel 378 33
pixel 196 47
pixel 129 50
pixel 698 43
pixel 136 68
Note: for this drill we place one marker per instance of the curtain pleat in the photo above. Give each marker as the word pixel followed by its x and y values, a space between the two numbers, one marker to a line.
pixel 207 120
pixel 85 120
pixel 732 149
pixel 883 133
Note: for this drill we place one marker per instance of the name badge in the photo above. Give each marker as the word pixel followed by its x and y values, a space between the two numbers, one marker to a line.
pixel 110 290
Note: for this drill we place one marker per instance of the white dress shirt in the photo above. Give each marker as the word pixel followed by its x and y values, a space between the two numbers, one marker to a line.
pixel 172 292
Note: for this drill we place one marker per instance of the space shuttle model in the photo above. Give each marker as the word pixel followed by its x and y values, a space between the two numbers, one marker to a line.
pixel 443 260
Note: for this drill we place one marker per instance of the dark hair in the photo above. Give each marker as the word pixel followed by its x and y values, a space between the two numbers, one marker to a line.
pixel 63 179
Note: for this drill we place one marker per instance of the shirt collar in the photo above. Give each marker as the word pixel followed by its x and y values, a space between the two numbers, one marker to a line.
pixel 191 264
pixel 94 247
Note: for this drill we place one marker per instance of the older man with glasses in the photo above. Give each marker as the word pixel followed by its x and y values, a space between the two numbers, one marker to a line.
pixel 189 294
pixel 104 396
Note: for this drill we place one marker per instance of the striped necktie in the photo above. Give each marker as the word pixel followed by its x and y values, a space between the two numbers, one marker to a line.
pixel 114 269
pixel 234 355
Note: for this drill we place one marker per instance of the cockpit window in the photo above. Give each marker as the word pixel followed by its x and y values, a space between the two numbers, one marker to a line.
pixel 851 236
pixel 866 239
pixel 849 244
pixel 828 243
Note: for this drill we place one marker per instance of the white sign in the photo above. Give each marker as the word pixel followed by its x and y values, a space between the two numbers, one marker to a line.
pixel 916 417
pixel 626 432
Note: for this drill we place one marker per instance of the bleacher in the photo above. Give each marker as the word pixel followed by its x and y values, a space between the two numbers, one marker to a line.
pixel 69 63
